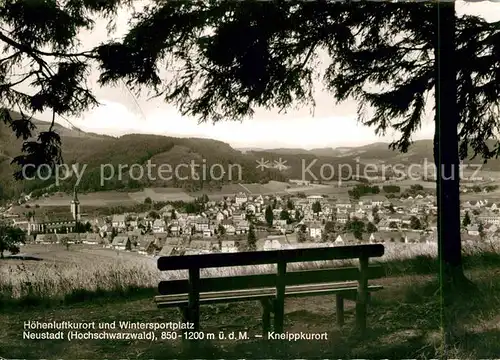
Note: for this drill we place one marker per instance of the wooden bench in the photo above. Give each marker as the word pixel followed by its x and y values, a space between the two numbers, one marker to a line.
pixel 350 283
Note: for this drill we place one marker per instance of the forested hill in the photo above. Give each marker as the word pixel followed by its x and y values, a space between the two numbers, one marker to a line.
pixel 95 150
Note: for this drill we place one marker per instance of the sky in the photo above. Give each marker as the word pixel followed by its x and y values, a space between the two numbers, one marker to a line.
pixel 330 125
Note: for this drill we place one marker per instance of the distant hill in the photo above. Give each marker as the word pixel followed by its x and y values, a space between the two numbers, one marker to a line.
pixel 151 151
pixel 154 151
pixel 381 153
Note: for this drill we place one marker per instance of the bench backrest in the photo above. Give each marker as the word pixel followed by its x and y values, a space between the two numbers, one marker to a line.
pixel 241 282
pixel 195 285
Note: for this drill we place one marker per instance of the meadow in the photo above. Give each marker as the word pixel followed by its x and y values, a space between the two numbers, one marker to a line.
pixel 62 276
pixel 115 198
pixel 96 284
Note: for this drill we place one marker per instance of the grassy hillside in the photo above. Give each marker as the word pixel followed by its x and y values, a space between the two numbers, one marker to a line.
pixel 88 284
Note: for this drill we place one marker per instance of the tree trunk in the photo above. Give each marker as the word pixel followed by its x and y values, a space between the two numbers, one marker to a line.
pixel 446 157
pixel 446 147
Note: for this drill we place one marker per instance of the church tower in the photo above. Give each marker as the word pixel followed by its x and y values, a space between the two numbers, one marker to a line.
pixel 75 206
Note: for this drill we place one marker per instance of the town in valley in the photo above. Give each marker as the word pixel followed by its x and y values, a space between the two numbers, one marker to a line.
pixel 362 213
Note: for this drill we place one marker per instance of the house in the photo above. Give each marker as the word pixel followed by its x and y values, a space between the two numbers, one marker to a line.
pixel 22 224
pixel 381 236
pixel 201 224
pixel 46 239
pixel 92 239
pixel 226 223
pixel 470 239
pixel 377 200
pixel 490 228
pixel 201 246
pixel 473 204
pixel 473 230
pixel 173 241
pixel 160 238
pixel 105 229
pixel 339 240
pixel 158 225
pixel 134 234
pixel 73 238
pixel 174 229
pixel 121 242
pixel 493 206
pixel 413 238
pixel 252 208
pixel 406 219
pixel 166 251
pixel 133 223
pixel 118 221
pixel 166 210
pixel 242 227
pixel 219 216
pixel 384 225
pixel 365 204
pixel 397 218
pixel 345 204
pixel 259 200
pixel 314 198
pixel 207 233
pixel 229 246
pixel 106 242
pixel 315 231
pixel 239 215
pixel 146 245
pixel 260 217
pixel 279 223
pixel 489 218
pixel 346 238
pixel 240 199
pixel 342 218
pixel 272 245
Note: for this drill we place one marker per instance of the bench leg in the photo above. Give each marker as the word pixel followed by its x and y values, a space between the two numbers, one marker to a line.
pixel 266 316
pixel 185 319
pixel 362 295
pixel 279 315
pixel 193 313
pixel 361 313
pixel 339 305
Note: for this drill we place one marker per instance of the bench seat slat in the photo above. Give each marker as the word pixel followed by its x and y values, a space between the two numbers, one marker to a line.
pixel 257 294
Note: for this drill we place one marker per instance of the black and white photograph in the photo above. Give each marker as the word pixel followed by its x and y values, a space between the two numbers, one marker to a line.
pixel 249 179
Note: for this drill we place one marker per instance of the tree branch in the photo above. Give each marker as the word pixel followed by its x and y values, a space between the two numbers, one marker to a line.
pixel 10 56
pixel 28 50
pixel 89 54
pixel 17 82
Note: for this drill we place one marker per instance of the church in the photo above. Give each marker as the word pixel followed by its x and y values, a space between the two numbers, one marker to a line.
pixel 57 222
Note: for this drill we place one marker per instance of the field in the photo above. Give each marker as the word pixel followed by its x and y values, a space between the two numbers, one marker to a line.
pixel 97 199
pixel 92 284
pixel 114 198
pixel 406 184
pixel 61 273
